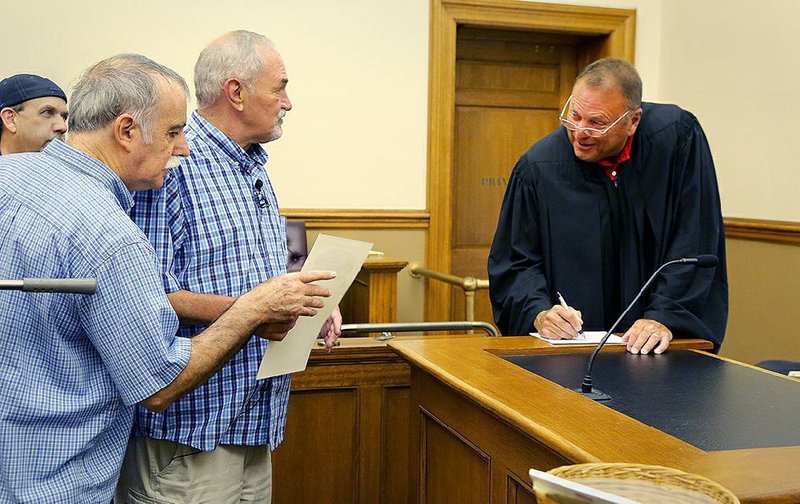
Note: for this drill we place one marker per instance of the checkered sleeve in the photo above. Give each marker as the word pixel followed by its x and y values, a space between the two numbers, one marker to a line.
pixel 133 326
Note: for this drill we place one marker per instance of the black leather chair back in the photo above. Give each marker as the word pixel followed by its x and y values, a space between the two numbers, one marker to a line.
pixel 296 244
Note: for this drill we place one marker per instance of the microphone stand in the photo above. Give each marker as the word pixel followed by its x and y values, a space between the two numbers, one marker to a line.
pixel 67 285
pixel 586 389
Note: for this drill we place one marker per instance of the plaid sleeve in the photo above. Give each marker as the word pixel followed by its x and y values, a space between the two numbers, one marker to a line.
pixel 132 325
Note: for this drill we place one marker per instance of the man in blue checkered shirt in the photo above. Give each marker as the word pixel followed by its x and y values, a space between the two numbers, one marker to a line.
pixel 216 227
pixel 74 366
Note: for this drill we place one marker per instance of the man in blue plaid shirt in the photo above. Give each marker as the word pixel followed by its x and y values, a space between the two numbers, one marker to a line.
pixel 216 227
pixel 74 366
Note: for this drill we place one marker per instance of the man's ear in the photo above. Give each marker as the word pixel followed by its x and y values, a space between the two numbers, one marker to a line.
pixel 635 119
pixel 232 89
pixel 125 131
pixel 9 118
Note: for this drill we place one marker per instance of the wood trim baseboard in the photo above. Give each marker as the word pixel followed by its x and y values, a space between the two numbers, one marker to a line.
pixel 359 219
pixel 783 232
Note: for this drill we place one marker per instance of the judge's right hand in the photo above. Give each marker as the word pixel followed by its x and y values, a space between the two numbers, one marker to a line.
pixel 558 323
pixel 281 299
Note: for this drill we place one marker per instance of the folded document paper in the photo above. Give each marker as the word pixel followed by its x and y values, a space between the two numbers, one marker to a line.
pixel 341 255
pixel 589 338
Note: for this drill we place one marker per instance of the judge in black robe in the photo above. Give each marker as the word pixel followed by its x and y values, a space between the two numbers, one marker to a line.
pixel 565 226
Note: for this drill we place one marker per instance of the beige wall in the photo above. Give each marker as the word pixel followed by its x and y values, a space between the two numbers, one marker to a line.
pixel 358 70
pixel 407 244
pixel 734 64
pixel 357 135
pixel 764 281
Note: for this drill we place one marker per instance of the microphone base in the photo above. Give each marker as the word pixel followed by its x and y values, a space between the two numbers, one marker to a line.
pixel 595 394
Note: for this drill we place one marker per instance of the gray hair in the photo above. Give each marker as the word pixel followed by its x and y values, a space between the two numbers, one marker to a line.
pixel 231 56
pixel 615 72
pixel 122 84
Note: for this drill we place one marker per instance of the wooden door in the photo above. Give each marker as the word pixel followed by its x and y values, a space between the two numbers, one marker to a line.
pixel 515 61
pixel 510 87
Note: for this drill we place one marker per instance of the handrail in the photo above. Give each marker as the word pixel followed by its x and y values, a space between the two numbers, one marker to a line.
pixel 420 326
pixel 468 284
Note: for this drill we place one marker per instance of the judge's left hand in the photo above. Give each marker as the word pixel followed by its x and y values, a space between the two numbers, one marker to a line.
pixel 645 335
pixel 332 329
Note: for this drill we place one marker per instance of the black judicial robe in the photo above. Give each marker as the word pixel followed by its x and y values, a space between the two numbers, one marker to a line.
pixel 564 226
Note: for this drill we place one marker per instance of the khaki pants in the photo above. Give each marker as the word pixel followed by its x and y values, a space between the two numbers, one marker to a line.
pixel 163 472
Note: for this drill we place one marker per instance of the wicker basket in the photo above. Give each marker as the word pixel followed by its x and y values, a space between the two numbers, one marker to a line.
pixel 644 483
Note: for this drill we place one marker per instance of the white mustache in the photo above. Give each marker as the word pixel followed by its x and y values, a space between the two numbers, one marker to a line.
pixel 173 162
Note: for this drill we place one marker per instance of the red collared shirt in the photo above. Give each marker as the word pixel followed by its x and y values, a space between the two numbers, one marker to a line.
pixel 610 167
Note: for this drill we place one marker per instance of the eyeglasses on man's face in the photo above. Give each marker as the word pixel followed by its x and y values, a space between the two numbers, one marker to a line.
pixel 592 132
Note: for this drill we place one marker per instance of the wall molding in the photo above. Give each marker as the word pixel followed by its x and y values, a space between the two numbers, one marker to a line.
pixel 783 232
pixel 359 219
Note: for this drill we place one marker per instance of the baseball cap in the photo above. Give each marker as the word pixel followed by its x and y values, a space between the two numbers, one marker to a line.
pixel 23 87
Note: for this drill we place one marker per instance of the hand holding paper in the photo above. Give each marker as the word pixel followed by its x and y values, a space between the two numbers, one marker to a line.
pixel 332 329
pixel 289 296
pixel 282 300
pixel 343 256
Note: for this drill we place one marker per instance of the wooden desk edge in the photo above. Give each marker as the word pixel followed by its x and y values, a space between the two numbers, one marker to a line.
pixel 775 484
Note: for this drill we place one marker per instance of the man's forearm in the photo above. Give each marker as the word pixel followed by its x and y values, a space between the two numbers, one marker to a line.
pixel 211 349
pixel 279 299
pixel 196 308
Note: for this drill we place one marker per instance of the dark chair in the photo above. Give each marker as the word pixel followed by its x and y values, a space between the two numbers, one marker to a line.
pixel 296 245
pixel 780 366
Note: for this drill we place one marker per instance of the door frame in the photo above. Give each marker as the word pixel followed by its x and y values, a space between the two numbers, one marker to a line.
pixel 615 30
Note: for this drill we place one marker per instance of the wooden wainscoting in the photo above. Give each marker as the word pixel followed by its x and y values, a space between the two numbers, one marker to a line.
pixel 347 429
pixel 784 232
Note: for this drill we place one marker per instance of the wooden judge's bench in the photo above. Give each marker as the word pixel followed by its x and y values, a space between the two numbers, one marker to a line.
pixel 458 419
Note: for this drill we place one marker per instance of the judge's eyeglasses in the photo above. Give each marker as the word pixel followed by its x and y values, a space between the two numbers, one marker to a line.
pixel 592 132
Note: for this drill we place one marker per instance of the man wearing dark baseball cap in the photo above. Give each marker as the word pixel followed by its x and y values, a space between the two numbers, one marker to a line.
pixel 33 111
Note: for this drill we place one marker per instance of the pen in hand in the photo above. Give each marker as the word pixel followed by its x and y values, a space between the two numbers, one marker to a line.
pixel 564 304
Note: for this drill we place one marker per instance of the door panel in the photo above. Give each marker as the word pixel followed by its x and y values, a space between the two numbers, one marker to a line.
pixel 510 87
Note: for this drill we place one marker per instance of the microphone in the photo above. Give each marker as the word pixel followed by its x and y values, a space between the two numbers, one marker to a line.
pixel 586 390
pixel 260 198
pixel 703 260
pixel 65 285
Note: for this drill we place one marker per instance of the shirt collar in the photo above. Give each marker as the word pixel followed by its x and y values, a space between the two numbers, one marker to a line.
pixel 255 155
pixel 93 168
pixel 611 166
